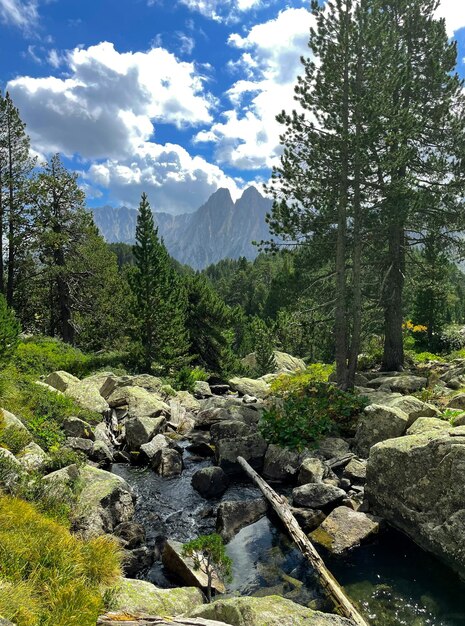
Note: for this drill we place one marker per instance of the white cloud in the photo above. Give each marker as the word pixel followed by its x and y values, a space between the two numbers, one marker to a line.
pixel 175 181
pixel 249 135
pixel 107 105
pixel 19 13
pixel 454 13
pixel 222 10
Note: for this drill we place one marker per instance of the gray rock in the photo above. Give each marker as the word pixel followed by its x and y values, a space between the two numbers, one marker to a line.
pixel 61 380
pixel 210 482
pixel 426 424
pixel 416 483
pixel 415 408
pixel 280 464
pixel 79 445
pixel 457 402
pixel 150 449
pixel 250 387
pixel 458 420
pixel 234 515
pixel 139 596
pixel 75 427
pixel 141 430
pixel 379 423
pixel 251 448
pixel 32 457
pixel 308 519
pixel 130 534
pixel 183 567
pixel 202 389
pixel 101 433
pixel 356 471
pixel 210 416
pixel 317 495
pixel 187 401
pixel 10 420
pixel 267 611
pixel 312 470
pixel 101 453
pixel 404 383
pixel 284 363
pixel 345 529
pixel 167 462
pixel 229 429
pixel 137 561
pixel 105 501
pixel 87 395
pixel 333 448
pixel 11 470
pixel 138 402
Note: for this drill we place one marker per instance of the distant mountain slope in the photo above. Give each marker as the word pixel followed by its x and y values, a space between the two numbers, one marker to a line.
pixel 219 229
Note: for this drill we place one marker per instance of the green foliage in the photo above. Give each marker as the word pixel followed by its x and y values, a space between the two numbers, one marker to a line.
pixel 451 340
pixel 41 355
pixel 263 343
pixel 187 377
pixel 285 384
pixel 303 415
pixel 48 576
pixel 159 301
pixel 14 439
pixel 209 556
pixel 9 331
pixel 425 357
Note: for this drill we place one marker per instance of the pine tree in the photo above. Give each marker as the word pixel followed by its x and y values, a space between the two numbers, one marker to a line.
pixel 160 299
pixel 15 168
pixel 9 331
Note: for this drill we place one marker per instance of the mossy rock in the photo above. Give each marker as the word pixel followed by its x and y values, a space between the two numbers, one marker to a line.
pixel 139 596
pixel 267 611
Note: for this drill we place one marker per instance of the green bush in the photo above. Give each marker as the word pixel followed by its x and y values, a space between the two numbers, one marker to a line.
pixel 49 577
pixel 451 340
pixel 14 439
pixel 9 331
pixel 187 377
pixel 315 373
pixel 299 418
pixel 425 357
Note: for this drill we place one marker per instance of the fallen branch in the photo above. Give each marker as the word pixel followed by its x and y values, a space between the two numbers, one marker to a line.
pixel 333 590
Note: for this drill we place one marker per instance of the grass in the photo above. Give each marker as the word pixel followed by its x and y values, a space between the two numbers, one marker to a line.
pixel 48 577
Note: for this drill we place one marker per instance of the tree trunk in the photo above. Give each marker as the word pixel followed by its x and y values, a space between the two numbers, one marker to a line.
pixel 393 357
pixel 340 321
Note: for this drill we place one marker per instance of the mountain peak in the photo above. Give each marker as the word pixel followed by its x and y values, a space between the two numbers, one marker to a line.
pixel 250 192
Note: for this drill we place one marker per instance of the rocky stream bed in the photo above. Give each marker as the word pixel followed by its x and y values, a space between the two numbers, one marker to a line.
pixel 162 469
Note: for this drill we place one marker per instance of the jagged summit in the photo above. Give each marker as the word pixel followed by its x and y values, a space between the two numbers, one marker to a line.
pixel 219 229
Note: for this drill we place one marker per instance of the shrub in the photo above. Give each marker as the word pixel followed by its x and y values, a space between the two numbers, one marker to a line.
pixel 57 578
pixel 9 331
pixel 14 439
pixel 425 357
pixel 187 377
pixel 41 355
pixel 302 417
pixel 315 373
pixel 451 340
pixel 209 556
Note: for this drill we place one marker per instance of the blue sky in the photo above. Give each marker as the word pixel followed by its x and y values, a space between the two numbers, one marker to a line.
pixel 173 97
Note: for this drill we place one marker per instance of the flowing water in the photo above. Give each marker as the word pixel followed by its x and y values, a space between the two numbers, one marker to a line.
pixel 394 581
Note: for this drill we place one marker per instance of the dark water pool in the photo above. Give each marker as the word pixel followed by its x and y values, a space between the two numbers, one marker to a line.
pixel 394 581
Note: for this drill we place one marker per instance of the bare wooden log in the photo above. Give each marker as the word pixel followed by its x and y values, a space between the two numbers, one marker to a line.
pixel 333 590
pixel 119 619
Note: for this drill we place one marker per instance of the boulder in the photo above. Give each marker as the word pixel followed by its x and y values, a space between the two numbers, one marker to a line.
pixel 180 419
pixel 87 395
pixel 105 501
pixel 415 408
pixel 280 464
pixel 356 471
pixel 426 424
pixel 137 561
pixel 62 482
pixel 308 519
pixel 75 427
pixel 229 429
pixel 379 423
pixel 333 448
pixel 252 448
pixel 312 470
pixel 344 529
pixel 11 470
pixel 208 417
pixel 101 453
pixel 79 445
pixel 139 402
pixel 267 611
pixel 202 389
pixel 61 380
pixel 167 462
pixel 187 401
pixel 141 430
pixel 32 457
pixel 138 596
pixel 250 387
pixel 404 383
pixel 457 402
pixel 9 420
pixel 284 363
pixel 101 433
pixel 317 495
pixel 130 534
pixel 417 484
pixel 210 482
pixel 150 449
pixel 183 568
pixel 234 515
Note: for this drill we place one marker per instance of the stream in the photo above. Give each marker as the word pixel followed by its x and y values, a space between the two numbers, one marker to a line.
pixel 394 581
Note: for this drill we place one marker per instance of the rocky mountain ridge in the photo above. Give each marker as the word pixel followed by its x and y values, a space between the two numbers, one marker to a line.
pixel 219 229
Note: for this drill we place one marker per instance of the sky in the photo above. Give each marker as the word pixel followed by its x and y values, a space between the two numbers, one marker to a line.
pixel 176 98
